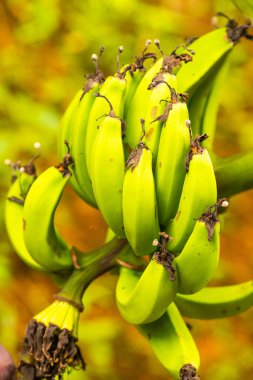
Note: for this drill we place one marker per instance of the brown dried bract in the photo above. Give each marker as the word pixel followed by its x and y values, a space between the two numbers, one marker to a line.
pixel 188 372
pixel 16 200
pixel 235 31
pixel 210 217
pixel 195 148
pixel 67 161
pixel 135 156
pixel 164 257
pixel 48 352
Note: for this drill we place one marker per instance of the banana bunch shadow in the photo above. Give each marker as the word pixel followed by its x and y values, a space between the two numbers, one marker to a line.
pixel 137 146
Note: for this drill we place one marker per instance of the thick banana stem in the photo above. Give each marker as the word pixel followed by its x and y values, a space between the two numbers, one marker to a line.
pixel 234 174
pixel 79 280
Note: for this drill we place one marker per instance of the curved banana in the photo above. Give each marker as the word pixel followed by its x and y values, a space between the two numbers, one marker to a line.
pixel 114 90
pixel 199 258
pixel 14 217
pixel 73 131
pixel 143 297
pixel 77 144
pixel 65 136
pixel 199 192
pixel 217 301
pixel 41 238
pixel 108 171
pixel 170 167
pixel 139 202
pixel 173 344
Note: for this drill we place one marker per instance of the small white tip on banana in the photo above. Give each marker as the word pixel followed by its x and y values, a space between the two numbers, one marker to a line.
pixel 37 145
pixel 94 57
pixel 7 161
pixel 225 203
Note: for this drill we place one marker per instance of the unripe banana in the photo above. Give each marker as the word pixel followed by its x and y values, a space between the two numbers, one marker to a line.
pixel 199 192
pixel 163 69
pixel 65 136
pixel 214 45
pixel 133 79
pixel 139 202
pixel 137 107
pixel 170 167
pixel 133 73
pixel 77 144
pixel 14 217
pixel 108 171
pixel 160 89
pixel 41 238
pixel 114 90
pixel 143 297
pixel 73 132
pixel 217 302
pixel 199 258
pixel 173 344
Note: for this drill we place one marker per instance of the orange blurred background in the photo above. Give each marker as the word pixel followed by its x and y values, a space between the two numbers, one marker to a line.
pixel 45 51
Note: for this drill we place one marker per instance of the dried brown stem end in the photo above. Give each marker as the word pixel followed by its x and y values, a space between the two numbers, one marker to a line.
pixel 48 352
pixel 164 257
pixel 188 372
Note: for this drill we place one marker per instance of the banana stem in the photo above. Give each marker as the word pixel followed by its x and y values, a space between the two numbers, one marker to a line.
pixel 105 258
pixel 234 174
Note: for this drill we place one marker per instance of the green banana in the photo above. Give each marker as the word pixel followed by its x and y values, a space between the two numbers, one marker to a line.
pixel 65 136
pixel 137 107
pixel 113 89
pixel 14 216
pixel 107 172
pixel 173 344
pixel 133 73
pixel 77 145
pixel 199 258
pixel 139 201
pixel 204 104
pixel 217 301
pixel 209 116
pixel 199 192
pixel 163 68
pixel 41 238
pixel 215 45
pixel 160 89
pixel 73 132
pixel 170 167
pixel 142 297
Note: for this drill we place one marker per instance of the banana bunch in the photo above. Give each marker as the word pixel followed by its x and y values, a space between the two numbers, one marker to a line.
pixel 135 146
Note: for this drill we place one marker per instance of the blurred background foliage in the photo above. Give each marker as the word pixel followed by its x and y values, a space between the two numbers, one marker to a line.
pixel 45 51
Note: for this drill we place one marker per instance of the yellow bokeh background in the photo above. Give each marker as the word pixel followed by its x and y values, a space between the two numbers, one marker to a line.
pixel 45 50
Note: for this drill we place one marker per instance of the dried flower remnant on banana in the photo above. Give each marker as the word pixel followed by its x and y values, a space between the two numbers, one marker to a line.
pixel 164 257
